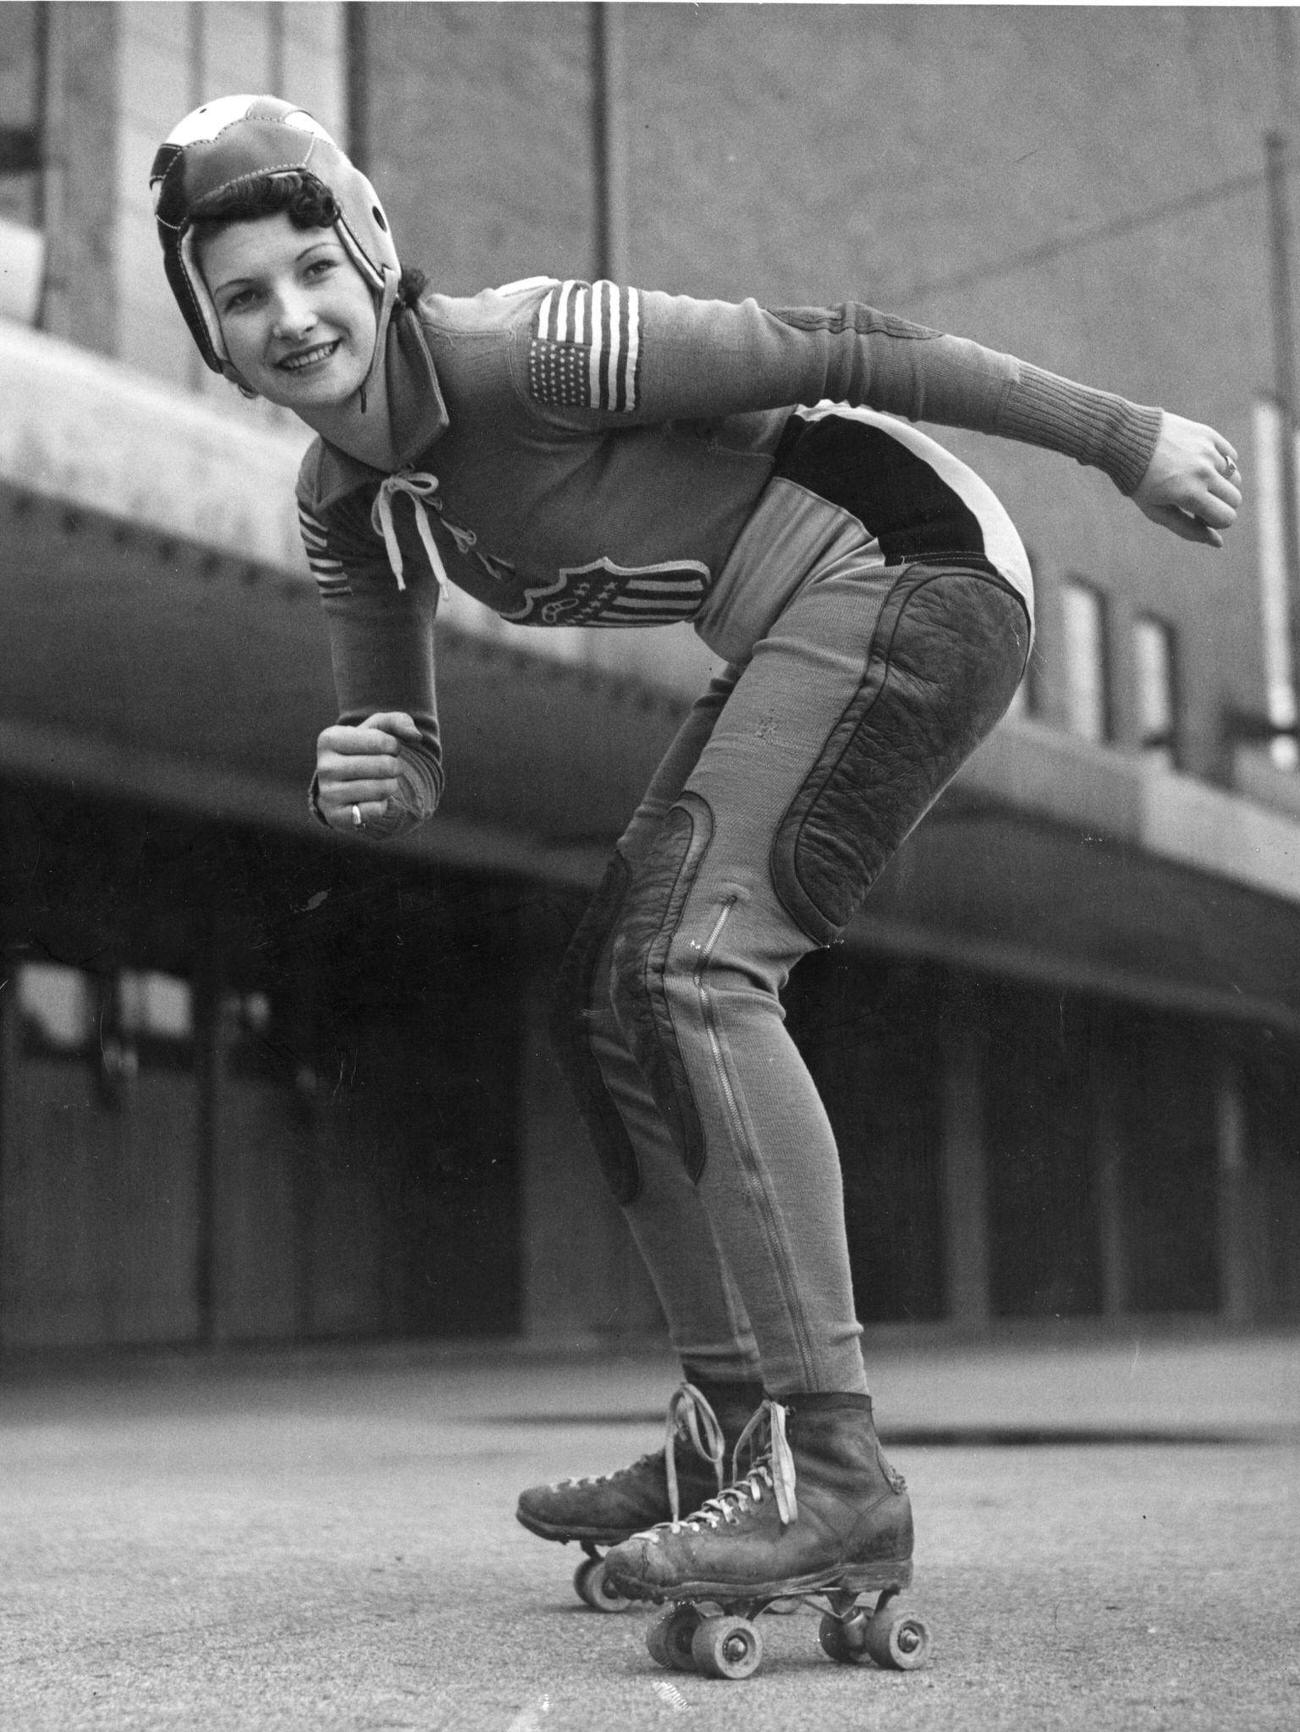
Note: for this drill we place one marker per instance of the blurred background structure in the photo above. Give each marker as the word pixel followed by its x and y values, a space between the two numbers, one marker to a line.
pixel 260 1084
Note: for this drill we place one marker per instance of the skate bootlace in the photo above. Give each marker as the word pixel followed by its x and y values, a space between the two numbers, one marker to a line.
pixel 690 1420
pixel 772 1473
pixel 689 1413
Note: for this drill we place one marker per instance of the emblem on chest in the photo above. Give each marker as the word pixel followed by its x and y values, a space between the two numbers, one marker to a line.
pixel 605 593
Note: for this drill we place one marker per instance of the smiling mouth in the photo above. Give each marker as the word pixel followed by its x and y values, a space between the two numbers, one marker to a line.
pixel 308 357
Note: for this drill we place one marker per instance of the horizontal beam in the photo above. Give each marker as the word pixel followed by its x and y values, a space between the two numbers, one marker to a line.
pixel 183 466
pixel 1070 974
pixel 1040 772
pixel 111 770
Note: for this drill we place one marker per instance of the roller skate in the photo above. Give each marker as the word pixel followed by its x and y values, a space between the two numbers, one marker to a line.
pixel 704 1422
pixel 820 1518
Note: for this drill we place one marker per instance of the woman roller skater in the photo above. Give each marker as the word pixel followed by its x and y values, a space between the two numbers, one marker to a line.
pixel 591 454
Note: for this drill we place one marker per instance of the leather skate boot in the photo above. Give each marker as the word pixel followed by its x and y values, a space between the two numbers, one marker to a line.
pixel 820 1510
pixel 704 1423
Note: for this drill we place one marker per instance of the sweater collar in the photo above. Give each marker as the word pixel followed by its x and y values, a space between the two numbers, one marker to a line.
pixel 417 412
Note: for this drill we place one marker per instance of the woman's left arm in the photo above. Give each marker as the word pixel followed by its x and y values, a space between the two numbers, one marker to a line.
pixel 604 355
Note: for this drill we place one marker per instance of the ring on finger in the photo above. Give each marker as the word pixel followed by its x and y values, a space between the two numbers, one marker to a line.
pixel 358 822
pixel 1231 472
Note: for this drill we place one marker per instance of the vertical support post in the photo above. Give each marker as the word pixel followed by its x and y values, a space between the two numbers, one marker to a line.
pixel 1107 1155
pixel 358 75
pixel 1273 471
pixel 308 1159
pixel 967 1264
pixel 9 1061
pixel 209 1068
pixel 9 1052
pixel 582 1278
pixel 1284 379
pixel 46 102
pixel 563 1239
pixel 609 140
pixel 1236 1286
pixel 52 133
pixel 276 61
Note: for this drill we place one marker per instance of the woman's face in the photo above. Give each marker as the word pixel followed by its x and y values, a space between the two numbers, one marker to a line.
pixel 297 316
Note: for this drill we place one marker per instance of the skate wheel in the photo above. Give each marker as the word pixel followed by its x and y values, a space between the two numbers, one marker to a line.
pixel 594 1588
pixel 844 1639
pixel 727 1648
pixel 670 1638
pixel 897 1639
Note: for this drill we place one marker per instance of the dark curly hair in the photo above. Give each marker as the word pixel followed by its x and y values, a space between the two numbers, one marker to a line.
pixel 306 201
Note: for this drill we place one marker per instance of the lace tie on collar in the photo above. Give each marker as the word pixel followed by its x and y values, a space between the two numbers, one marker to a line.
pixel 418 486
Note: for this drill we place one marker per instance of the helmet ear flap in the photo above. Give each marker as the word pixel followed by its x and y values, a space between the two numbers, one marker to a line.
pixel 212 343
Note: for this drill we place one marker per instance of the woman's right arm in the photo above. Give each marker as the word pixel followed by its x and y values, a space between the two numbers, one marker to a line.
pixel 383 755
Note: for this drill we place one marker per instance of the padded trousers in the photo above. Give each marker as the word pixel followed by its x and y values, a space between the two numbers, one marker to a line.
pixel 790 785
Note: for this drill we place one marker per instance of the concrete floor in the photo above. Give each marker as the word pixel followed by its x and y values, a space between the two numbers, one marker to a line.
pixel 1108 1538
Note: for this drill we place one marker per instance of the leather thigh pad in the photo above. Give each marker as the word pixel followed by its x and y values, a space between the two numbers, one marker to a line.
pixel 944 662
pixel 651 917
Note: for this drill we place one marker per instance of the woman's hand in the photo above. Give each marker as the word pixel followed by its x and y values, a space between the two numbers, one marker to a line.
pixel 357 768
pixel 1191 482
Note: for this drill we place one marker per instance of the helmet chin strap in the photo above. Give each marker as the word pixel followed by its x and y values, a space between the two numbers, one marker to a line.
pixel 383 315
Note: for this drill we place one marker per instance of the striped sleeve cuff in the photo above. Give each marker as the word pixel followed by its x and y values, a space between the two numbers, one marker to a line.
pixel 419 790
pixel 1094 427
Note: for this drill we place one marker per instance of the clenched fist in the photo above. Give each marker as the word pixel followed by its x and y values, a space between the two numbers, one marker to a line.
pixel 357 768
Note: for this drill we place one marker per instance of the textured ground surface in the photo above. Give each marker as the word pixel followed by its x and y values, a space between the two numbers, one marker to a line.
pixel 1108 1538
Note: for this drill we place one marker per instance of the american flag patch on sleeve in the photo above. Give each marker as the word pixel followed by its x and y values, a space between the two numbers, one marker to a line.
pixel 586 347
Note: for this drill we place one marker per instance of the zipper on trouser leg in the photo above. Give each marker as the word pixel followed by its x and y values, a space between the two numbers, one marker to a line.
pixel 738 1124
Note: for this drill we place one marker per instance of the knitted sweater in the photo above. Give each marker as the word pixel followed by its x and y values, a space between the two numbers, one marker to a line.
pixel 575 453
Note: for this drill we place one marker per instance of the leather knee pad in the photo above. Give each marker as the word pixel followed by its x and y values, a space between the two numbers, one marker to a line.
pixel 651 915
pixel 577 992
pixel 944 662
